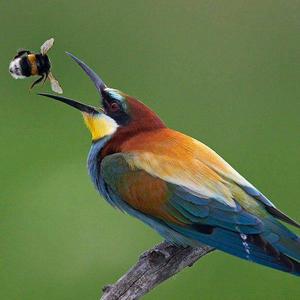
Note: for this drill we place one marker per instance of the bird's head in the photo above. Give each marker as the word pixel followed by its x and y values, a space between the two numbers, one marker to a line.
pixel 118 112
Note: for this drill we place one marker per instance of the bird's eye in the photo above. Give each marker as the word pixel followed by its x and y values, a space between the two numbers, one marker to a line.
pixel 114 107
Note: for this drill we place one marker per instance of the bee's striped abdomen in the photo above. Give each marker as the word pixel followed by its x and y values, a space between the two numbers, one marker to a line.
pixel 42 63
pixel 31 58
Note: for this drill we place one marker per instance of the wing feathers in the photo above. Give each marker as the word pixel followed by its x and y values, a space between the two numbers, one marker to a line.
pixel 281 216
pixel 184 161
pixel 190 194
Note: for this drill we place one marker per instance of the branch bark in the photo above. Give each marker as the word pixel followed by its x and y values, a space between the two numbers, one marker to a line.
pixel 154 266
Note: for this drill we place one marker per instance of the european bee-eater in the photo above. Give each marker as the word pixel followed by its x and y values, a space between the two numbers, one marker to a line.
pixel 179 186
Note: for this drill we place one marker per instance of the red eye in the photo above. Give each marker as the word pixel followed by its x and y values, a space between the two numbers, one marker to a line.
pixel 114 107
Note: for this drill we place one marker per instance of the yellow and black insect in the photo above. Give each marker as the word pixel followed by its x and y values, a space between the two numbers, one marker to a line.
pixel 26 64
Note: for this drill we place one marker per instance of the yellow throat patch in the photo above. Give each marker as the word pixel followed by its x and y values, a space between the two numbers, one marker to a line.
pixel 99 125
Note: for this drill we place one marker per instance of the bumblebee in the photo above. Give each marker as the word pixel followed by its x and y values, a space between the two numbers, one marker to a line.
pixel 26 64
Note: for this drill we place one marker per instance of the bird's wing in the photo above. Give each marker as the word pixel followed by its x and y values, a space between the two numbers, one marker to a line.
pixel 188 163
pixel 172 202
pixel 181 214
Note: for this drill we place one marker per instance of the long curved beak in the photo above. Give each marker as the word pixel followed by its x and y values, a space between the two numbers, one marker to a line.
pixel 76 104
pixel 98 82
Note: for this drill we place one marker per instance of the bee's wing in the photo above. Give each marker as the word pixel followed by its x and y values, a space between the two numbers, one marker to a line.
pixel 47 45
pixel 55 84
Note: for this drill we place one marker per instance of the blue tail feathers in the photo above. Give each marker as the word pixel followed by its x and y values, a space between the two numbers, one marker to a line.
pixel 252 247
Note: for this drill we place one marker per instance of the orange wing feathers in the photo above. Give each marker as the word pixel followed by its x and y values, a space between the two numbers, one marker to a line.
pixel 177 146
pixel 146 194
pixel 182 160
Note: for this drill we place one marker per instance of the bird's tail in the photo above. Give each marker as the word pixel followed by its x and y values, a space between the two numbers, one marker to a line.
pixel 277 247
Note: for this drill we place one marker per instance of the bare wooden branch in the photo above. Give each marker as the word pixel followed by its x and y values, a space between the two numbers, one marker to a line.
pixel 154 266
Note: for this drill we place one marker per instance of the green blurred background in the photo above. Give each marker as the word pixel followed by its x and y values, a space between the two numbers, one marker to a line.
pixel 225 72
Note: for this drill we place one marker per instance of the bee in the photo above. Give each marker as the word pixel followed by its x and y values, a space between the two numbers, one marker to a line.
pixel 26 64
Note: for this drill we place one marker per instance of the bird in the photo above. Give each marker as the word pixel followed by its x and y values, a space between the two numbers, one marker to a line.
pixel 177 185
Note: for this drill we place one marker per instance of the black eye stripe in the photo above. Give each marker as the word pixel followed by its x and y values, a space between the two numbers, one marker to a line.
pixel 116 108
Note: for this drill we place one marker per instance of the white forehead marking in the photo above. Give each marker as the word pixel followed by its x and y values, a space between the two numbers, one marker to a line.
pixel 15 69
pixel 114 94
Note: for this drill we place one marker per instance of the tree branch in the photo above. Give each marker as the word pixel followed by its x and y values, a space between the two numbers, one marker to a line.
pixel 154 266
